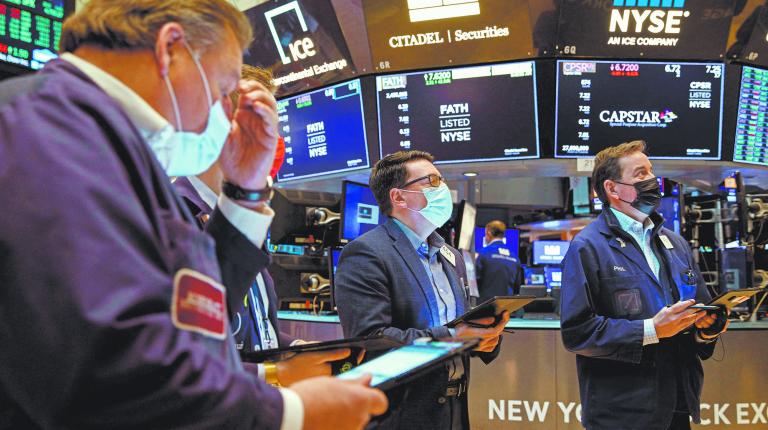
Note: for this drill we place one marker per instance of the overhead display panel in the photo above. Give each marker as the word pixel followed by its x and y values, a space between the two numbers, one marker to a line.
pixel 301 42
pixel 752 120
pixel 653 29
pixel 462 114
pixel 756 49
pixel 30 31
pixel 413 34
pixel 675 107
pixel 324 132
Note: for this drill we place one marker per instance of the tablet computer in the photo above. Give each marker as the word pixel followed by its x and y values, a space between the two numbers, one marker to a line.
pixel 375 343
pixel 493 307
pixel 409 362
pixel 733 298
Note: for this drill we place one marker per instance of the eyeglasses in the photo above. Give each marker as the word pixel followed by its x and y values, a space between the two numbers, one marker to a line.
pixel 434 181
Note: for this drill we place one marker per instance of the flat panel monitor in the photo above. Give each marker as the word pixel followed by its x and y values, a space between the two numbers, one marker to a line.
pixel 675 107
pixel 359 210
pixel 30 31
pixel 467 114
pixel 324 132
pixel 553 277
pixel 534 275
pixel 418 34
pixel 465 225
pixel 549 251
pixel 511 240
pixel 301 42
pixel 752 124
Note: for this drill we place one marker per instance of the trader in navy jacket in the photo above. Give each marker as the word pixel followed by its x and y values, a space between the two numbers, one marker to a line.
pixel 627 286
pixel 402 280
pixel 498 269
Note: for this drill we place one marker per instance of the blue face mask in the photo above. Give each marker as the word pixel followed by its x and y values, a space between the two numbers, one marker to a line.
pixel 184 153
pixel 439 205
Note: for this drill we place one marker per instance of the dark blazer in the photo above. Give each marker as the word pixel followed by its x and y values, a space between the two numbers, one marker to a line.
pixel 92 238
pixel 608 290
pixel 201 211
pixel 498 272
pixel 381 287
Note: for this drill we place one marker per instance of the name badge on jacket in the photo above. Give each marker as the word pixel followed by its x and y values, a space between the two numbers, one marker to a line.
pixel 199 304
pixel 665 240
pixel 448 255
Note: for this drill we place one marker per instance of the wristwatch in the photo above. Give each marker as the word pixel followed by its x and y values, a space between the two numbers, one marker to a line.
pixel 270 374
pixel 235 192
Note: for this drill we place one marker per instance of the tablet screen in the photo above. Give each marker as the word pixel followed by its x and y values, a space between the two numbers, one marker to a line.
pixel 401 361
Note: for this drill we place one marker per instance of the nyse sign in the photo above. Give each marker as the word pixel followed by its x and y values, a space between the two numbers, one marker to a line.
pixel 645 28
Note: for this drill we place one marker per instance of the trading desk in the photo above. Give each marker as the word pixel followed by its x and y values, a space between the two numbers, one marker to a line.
pixel 532 384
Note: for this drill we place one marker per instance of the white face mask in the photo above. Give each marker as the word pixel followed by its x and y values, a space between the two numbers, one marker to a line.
pixel 439 205
pixel 184 153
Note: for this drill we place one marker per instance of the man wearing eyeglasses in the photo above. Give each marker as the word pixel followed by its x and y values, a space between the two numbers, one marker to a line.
pixel 402 280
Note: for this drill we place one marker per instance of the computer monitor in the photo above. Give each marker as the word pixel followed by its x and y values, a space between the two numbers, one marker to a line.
pixel 359 210
pixel 553 277
pixel 465 225
pixel 292 206
pixel 682 121
pixel 534 275
pixel 511 240
pixel 549 251
pixel 30 33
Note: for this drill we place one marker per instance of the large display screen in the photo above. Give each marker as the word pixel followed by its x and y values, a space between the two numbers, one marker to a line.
pixel 324 132
pixel 301 42
pixel 30 31
pixel 675 107
pixel 414 34
pixel 661 29
pixel 752 123
pixel 462 114
pixel 359 212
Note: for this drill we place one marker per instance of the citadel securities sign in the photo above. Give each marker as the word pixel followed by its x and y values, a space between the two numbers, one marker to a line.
pixel 412 34
pixel 300 42
pixel 690 29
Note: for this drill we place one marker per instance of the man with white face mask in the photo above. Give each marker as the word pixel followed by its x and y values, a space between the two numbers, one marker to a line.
pixel 114 304
pixel 402 280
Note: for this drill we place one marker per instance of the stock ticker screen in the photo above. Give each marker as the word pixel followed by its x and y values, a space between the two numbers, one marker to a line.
pixel 675 107
pixel 30 31
pixel 324 132
pixel 752 124
pixel 463 114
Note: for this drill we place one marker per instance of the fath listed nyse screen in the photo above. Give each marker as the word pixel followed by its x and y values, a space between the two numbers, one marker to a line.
pixel 675 107
pixel 324 132
pixel 462 114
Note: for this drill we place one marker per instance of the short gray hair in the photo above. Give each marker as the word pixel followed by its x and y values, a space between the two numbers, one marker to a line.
pixel 133 24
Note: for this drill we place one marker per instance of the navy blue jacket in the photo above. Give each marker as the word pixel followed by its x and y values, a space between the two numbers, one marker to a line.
pixel 382 287
pixel 243 319
pixel 608 290
pixel 498 271
pixel 91 240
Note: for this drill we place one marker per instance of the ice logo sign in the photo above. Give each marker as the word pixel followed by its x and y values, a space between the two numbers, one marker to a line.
pixel 367 214
pixel 430 10
pixel 298 50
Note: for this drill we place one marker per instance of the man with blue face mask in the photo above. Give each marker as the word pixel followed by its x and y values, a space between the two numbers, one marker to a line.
pixel 114 304
pixel 402 280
